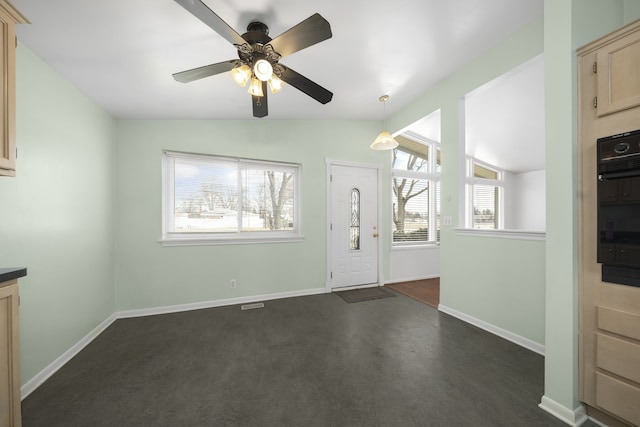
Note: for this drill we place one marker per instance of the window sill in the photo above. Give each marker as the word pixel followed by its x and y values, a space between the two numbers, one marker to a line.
pixel 212 241
pixel 503 234
pixel 415 247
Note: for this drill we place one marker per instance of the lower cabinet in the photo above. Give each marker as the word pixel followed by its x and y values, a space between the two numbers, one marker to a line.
pixel 10 415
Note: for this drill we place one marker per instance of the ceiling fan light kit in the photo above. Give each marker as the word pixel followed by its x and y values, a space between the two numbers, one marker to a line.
pixel 241 74
pixel 275 84
pixel 255 88
pixel 259 56
pixel 263 70
pixel 384 140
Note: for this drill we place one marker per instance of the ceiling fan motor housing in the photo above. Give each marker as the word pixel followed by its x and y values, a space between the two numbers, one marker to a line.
pixel 258 47
pixel 258 27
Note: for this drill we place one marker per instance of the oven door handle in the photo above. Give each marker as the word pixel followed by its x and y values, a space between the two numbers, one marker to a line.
pixel 618 175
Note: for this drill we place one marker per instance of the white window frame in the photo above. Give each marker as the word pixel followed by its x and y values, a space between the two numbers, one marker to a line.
pixel 172 238
pixel 471 181
pixel 433 179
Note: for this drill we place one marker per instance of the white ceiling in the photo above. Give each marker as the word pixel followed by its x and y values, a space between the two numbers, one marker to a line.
pixel 505 119
pixel 122 53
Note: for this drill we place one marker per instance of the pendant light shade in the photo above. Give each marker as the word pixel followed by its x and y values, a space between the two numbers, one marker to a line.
pixel 384 141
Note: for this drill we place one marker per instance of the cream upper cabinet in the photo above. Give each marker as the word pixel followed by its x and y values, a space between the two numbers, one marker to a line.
pixel 9 17
pixel 618 69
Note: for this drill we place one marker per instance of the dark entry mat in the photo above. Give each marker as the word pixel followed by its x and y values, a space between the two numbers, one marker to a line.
pixel 366 294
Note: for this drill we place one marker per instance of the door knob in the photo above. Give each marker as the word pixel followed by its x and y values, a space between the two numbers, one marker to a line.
pixel 375 234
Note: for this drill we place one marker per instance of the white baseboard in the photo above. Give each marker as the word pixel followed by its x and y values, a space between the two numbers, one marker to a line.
pixel 509 336
pixel 215 303
pixel 35 382
pixel 573 417
pixel 53 367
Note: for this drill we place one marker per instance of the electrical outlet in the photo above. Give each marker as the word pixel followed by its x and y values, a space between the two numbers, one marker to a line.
pixel 232 283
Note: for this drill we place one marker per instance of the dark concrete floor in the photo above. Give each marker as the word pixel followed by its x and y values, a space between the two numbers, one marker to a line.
pixel 308 361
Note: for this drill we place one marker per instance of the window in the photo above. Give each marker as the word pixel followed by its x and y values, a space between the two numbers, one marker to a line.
pixel 354 227
pixel 211 199
pixel 416 191
pixel 485 187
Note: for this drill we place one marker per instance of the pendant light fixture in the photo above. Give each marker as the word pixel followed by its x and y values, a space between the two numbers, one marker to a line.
pixel 384 141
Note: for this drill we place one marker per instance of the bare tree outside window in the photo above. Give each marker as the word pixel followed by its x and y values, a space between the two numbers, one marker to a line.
pixel 221 195
pixel 406 189
pixel 281 193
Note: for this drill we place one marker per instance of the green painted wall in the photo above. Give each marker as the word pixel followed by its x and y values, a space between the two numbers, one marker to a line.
pixel 149 275
pixel 562 261
pixel 57 214
pixel 499 281
pixel 631 10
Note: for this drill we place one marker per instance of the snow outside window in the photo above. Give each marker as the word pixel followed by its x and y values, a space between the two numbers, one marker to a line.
pixel 212 199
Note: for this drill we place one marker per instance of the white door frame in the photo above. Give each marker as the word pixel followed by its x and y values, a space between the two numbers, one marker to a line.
pixel 379 167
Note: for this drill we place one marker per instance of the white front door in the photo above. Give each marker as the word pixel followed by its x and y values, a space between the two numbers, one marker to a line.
pixel 353 226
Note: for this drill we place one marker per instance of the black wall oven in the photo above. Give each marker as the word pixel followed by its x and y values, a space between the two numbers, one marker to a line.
pixel 619 208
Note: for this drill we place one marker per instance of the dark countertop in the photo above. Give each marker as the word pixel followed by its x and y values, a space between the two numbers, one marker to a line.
pixel 7 274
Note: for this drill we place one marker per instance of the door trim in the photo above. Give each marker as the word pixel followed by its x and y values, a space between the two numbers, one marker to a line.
pixel 329 163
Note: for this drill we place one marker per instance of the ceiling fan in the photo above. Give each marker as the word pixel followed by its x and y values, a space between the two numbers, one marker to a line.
pixel 259 56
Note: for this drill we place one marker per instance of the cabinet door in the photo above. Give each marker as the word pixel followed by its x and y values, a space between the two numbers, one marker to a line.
pixel 619 74
pixel 7 94
pixel 10 415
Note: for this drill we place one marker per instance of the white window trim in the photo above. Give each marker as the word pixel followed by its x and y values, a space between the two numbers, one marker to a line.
pixel 471 180
pixel 242 237
pixel 205 241
pixel 502 234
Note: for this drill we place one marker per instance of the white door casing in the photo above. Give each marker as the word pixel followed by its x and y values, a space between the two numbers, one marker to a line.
pixel 353 259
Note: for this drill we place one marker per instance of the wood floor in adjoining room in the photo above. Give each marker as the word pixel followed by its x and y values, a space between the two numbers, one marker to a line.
pixel 426 291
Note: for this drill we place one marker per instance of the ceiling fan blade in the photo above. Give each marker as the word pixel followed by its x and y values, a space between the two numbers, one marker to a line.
pixel 202 72
pixel 206 15
pixel 260 108
pixel 312 30
pixel 305 85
